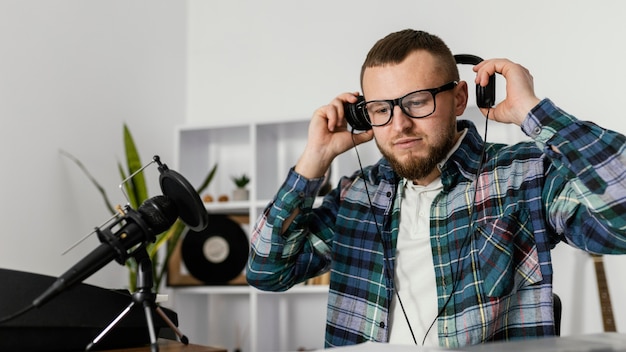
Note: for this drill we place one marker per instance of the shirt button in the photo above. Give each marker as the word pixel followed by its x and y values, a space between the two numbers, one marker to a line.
pixel 536 130
pixel 388 194
pixel 381 324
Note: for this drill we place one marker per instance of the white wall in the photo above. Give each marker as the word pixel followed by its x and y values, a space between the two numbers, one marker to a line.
pixel 274 60
pixel 71 73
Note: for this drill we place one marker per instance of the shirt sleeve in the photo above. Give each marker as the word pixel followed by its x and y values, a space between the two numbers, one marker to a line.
pixel 277 261
pixel 586 185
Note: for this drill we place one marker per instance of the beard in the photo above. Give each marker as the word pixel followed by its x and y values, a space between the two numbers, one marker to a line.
pixel 416 167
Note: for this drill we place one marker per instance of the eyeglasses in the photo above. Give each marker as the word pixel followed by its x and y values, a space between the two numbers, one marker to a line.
pixel 416 104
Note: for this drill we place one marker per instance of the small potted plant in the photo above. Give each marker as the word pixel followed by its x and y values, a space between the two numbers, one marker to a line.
pixel 241 192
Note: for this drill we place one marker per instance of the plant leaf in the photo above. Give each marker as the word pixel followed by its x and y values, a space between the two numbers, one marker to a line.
pixel 170 237
pixel 207 180
pixel 137 183
pixel 128 187
pixel 93 180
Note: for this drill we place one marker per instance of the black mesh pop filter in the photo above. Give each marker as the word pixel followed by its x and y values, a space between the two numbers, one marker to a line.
pixel 190 207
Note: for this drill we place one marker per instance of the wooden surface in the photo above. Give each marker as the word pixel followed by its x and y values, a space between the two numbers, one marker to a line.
pixel 172 346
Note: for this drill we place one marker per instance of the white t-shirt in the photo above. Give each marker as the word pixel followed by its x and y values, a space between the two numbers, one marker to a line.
pixel 415 272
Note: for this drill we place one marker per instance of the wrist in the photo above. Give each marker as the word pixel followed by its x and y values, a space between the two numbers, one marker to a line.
pixel 527 108
pixel 310 167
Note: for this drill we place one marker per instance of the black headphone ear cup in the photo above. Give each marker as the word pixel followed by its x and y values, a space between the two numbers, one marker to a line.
pixel 355 115
pixel 485 96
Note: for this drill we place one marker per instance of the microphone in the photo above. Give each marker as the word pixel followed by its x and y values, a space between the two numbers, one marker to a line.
pixel 136 227
pixel 154 216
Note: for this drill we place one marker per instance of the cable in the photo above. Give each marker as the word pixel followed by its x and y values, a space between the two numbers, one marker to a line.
pixel 379 233
pixel 463 244
pixel 469 230
pixel 17 314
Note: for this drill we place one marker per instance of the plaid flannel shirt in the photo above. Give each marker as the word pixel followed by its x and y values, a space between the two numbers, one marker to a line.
pixel 491 257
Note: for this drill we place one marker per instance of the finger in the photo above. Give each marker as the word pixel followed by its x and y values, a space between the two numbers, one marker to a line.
pixel 330 115
pixel 338 115
pixel 363 137
pixel 344 98
pixel 484 70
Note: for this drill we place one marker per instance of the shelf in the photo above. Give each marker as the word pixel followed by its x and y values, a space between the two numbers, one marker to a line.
pixel 245 290
pixel 275 321
pixel 243 207
pixel 208 290
pixel 230 207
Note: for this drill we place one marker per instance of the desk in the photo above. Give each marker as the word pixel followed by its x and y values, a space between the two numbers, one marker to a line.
pixel 602 342
pixel 172 346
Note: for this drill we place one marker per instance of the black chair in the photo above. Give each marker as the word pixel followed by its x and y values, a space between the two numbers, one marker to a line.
pixel 557 313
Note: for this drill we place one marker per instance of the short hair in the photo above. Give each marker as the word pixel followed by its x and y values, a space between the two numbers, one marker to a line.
pixel 395 47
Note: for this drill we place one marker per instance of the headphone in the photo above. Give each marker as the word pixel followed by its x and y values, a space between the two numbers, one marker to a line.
pixel 356 115
pixel 485 96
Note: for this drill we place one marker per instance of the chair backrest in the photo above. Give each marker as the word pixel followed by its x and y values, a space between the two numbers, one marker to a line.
pixel 557 313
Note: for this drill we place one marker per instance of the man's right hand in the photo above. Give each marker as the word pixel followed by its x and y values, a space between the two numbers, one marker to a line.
pixel 328 137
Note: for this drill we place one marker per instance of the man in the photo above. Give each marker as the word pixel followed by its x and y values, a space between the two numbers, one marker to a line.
pixel 446 240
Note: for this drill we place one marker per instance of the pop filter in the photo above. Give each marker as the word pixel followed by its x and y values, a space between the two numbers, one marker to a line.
pixel 190 207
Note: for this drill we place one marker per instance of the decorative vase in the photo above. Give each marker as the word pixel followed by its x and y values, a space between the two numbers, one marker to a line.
pixel 241 194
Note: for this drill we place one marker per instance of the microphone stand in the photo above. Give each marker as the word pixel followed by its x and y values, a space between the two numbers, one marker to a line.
pixel 146 298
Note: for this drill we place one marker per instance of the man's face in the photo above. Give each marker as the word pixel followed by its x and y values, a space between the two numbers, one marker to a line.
pixel 415 146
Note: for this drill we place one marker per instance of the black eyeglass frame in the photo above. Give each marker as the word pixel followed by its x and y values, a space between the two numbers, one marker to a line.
pixel 398 102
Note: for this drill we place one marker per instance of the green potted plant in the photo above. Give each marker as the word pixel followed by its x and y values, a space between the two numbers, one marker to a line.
pixel 137 193
pixel 241 192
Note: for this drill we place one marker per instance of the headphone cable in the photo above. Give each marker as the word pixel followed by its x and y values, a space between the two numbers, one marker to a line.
pixel 379 233
pixel 469 230
pixel 463 245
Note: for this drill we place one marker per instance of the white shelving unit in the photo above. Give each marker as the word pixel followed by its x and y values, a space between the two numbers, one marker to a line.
pixel 241 316
pixel 253 320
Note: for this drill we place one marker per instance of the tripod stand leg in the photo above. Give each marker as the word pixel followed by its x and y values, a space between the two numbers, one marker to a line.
pixel 147 298
pixel 110 326
pixel 167 320
pixel 147 308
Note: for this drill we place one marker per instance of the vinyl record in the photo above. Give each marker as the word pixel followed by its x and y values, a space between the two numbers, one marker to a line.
pixel 217 254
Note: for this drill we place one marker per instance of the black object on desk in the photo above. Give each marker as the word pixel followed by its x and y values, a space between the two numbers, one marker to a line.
pixel 71 320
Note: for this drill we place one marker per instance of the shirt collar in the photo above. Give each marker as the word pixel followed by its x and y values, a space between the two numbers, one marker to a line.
pixel 453 150
pixel 465 158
